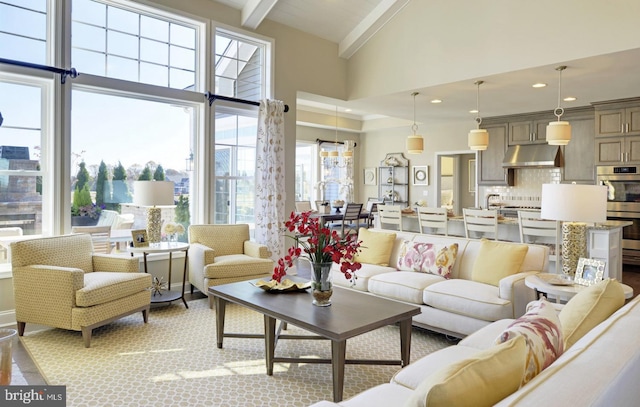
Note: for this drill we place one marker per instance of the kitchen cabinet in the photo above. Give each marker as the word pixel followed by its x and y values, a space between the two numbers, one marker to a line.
pixel 617 131
pixel 393 174
pixel 618 150
pixel 618 122
pixel 579 162
pixel 490 160
pixel 529 131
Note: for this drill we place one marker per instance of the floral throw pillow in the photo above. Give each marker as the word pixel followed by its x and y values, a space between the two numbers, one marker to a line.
pixel 427 258
pixel 541 328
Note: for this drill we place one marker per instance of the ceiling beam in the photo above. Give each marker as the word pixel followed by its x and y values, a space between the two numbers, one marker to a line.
pixel 378 17
pixel 255 11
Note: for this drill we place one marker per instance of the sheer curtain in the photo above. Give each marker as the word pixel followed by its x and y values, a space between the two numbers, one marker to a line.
pixel 270 192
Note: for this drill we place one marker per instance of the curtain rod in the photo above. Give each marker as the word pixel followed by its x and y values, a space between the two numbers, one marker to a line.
pixel 320 141
pixel 212 98
pixel 63 72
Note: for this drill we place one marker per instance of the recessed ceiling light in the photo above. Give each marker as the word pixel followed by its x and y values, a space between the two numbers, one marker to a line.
pixel 436 101
pixel 569 99
pixel 539 85
pixel 347 110
pixel 473 111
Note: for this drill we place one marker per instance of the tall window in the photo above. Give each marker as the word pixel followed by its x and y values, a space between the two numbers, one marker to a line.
pixel 306 164
pixel 23 141
pixel 239 73
pixel 235 168
pixel 23 30
pixel 108 139
pixel 127 44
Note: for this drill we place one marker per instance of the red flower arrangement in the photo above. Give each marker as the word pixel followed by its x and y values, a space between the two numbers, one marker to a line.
pixel 322 246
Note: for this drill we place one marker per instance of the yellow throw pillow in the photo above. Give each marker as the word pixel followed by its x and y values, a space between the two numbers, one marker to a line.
pixel 481 380
pixel 497 260
pixel 375 248
pixel 588 308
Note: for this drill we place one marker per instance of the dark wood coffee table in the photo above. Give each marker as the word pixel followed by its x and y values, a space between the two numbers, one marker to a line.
pixel 351 313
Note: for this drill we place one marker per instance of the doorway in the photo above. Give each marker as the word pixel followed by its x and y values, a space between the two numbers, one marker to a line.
pixel 456 180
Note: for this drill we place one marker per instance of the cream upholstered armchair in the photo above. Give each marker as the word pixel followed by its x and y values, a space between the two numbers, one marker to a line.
pixel 59 282
pixel 221 254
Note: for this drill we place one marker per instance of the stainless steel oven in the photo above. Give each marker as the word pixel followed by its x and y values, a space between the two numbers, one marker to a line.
pixel 623 203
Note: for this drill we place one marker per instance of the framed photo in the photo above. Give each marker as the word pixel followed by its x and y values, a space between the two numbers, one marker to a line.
pixel 589 271
pixel 140 238
pixel 420 174
pixel 370 177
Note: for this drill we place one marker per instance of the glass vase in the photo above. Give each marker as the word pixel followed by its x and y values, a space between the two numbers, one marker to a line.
pixel 321 284
pixel 6 339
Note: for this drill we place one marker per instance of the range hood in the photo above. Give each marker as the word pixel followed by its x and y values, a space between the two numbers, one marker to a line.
pixel 532 156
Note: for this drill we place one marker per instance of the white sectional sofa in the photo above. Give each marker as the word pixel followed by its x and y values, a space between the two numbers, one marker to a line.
pixel 457 306
pixel 600 365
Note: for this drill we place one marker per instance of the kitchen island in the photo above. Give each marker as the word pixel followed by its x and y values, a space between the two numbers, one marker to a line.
pixel 604 240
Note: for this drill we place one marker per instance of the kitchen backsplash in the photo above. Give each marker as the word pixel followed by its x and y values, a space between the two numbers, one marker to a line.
pixel 528 187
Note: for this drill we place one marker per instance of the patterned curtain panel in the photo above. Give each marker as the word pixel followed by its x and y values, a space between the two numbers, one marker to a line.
pixel 270 193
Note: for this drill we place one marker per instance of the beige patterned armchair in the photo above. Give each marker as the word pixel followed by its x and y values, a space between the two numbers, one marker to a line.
pixel 59 282
pixel 221 254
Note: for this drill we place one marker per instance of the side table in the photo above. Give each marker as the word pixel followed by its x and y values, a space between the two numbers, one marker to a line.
pixel 166 247
pixel 540 283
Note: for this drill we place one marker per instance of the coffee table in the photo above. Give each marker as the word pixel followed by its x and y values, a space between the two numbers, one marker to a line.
pixel 351 314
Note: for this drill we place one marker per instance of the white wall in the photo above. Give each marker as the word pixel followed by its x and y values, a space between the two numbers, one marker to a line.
pixel 441 41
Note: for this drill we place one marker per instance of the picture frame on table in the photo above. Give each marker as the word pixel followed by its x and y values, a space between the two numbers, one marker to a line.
pixel 370 176
pixel 140 238
pixel 589 271
pixel 420 174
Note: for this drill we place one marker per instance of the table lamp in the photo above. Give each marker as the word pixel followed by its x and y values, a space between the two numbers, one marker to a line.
pixel 574 205
pixel 153 194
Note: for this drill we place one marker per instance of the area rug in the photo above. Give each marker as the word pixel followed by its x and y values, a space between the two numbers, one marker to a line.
pixel 173 361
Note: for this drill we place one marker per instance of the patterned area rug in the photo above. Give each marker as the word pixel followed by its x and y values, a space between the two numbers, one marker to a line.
pixel 173 361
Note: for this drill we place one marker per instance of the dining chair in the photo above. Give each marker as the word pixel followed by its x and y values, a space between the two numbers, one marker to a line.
pixel 372 210
pixel 534 229
pixel 303 206
pixel 480 222
pixel 350 218
pixel 434 219
pixel 100 237
pixel 390 215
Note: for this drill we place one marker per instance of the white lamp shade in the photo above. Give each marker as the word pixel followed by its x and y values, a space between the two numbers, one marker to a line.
pixel 574 202
pixel 152 193
pixel 333 153
pixel 415 144
pixel 324 153
pixel 558 133
pixel 347 154
pixel 478 139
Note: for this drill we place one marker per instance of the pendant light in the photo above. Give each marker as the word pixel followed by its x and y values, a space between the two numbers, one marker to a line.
pixel 415 142
pixel 478 138
pixel 559 132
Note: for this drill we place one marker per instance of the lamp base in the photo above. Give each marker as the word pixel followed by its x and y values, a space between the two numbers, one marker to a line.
pixel 154 224
pixel 574 245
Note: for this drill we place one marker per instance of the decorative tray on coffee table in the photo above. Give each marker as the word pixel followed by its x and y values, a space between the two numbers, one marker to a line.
pixel 284 286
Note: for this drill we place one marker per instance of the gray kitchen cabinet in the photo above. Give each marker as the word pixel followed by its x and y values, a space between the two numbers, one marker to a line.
pixel 618 122
pixel 579 162
pixel 529 131
pixel 490 160
pixel 618 150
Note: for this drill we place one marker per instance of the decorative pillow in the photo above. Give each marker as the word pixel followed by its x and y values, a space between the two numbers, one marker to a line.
pixel 588 308
pixel 481 380
pixel 427 257
pixel 540 327
pixel 497 260
pixel 375 248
